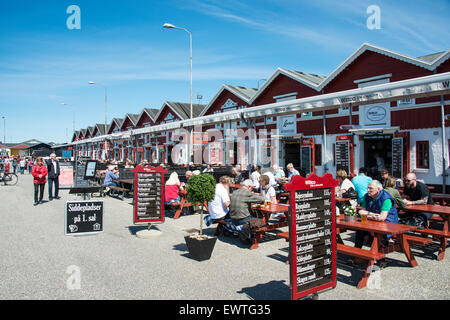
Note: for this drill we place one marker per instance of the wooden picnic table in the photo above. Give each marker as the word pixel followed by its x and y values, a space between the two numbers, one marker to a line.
pixel 266 211
pixel 184 203
pixel 442 198
pixel 440 235
pixel 377 229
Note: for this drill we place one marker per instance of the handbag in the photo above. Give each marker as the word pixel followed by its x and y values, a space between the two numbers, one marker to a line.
pixel 351 193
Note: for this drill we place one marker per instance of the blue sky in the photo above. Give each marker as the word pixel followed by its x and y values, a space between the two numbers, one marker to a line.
pixel 122 44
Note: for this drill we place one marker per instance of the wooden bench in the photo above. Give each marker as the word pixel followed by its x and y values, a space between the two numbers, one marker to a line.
pixel 220 224
pixel 363 254
pixel 183 204
pixel 283 235
pixel 119 189
pixel 434 232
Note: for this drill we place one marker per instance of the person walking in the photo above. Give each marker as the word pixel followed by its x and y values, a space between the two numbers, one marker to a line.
pixel 14 164
pixel 30 165
pixel 53 177
pixel 39 173
pixel 23 164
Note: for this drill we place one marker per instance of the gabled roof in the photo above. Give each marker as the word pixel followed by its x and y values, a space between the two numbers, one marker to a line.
pixel 242 93
pixel 117 121
pixel 91 130
pixel 151 113
pixel 83 132
pixel 19 146
pixel 182 110
pixel 134 118
pixel 429 62
pixel 32 142
pixel 100 128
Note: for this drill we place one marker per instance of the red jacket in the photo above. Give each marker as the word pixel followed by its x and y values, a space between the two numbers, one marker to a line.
pixel 36 171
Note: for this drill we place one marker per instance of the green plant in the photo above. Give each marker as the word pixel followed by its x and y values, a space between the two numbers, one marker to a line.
pixel 350 211
pixel 201 188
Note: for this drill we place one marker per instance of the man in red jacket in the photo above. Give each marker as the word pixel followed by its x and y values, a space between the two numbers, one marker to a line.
pixel 39 173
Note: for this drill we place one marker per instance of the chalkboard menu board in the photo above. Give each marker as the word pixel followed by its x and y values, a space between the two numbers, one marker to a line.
pixel 312 234
pixel 397 157
pixel 148 194
pixel 342 155
pixel 83 217
pixel 305 162
pixel 80 181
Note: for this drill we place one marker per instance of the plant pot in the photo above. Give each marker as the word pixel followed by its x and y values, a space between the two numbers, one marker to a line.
pixel 200 249
pixel 351 218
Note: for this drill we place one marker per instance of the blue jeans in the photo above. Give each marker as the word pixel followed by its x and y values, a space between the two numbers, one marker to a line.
pixel 172 201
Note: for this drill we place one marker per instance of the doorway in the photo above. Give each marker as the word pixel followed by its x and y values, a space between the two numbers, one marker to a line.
pixel 377 154
pixel 292 153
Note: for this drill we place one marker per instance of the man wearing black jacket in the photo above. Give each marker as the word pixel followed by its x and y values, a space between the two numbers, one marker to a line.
pixel 53 176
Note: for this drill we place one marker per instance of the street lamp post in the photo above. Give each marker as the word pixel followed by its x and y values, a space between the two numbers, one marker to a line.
pixel 4 129
pixel 106 113
pixel 171 26
pixel 73 121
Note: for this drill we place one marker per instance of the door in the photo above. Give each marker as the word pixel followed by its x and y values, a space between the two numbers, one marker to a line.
pixel 291 153
pixel 377 154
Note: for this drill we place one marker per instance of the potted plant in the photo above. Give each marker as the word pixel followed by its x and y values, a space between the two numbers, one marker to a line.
pixel 350 213
pixel 201 189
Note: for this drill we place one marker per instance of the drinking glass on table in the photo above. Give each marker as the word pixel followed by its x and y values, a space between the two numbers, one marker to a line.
pixel 363 214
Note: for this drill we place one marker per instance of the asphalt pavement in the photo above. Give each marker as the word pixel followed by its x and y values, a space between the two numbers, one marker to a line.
pixel 38 261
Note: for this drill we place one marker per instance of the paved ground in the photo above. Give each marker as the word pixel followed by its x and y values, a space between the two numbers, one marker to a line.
pixel 35 256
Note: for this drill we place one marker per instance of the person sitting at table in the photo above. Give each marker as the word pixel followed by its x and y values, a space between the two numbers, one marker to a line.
pixel 129 164
pixel 269 193
pixel 218 208
pixel 240 202
pixel 416 192
pixel 385 176
pixel 344 185
pixel 208 169
pixel 111 175
pixel 291 172
pixel 379 206
pixel 278 173
pixel 255 175
pixel 361 182
pixel 172 189
pixel 390 187
pixel 236 175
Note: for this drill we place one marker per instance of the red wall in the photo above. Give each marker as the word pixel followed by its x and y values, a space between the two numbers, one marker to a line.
pixel 222 99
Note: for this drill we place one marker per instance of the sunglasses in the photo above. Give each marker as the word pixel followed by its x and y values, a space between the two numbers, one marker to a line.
pixel 406 180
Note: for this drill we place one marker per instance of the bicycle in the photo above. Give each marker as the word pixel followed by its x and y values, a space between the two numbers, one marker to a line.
pixel 10 179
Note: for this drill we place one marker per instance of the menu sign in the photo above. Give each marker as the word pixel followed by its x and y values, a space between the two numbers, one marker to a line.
pixel 397 157
pixel 342 154
pixel 80 180
pixel 65 174
pixel 82 217
pixel 312 234
pixel 148 194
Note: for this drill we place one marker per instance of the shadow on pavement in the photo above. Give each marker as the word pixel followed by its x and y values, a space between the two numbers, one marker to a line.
pixel 273 290
pixel 134 229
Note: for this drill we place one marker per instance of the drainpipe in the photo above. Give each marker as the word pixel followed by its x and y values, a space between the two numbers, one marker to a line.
pixel 444 162
pixel 325 164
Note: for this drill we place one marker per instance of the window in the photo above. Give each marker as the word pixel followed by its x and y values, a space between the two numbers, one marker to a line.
pixel 422 155
pixel 318 155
